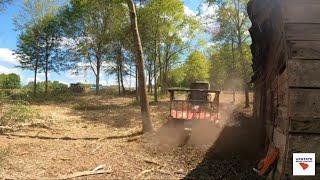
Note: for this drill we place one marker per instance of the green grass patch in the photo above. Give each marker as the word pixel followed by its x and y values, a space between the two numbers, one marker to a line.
pixel 18 113
pixel 84 106
pixel 134 103
pixel 54 98
pixel 16 95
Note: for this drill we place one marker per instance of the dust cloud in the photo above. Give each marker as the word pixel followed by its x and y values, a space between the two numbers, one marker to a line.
pixel 199 134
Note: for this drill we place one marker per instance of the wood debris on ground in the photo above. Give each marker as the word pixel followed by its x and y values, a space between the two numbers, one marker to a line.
pixel 114 140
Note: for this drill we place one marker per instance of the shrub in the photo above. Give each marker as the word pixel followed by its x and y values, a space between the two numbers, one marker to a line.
pixel 84 106
pixel 18 113
pixel 54 87
pixel 134 103
pixel 58 88
pixel 9 81
pixel 15 94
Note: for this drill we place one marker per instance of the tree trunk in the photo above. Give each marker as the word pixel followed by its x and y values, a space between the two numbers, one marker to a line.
pixel 97 84
pixel 120 69
pixel 137 86
pixel 165 87
pixel 149 80
pixel 46 75
pixel 160 70
pixel 161 67
pixel 121 80
pixel 155 87
pixel 144 104
pixel 46 83
pixel 118 78
pixel 46 67
pixel 98 77
pixel 233 71
pixel 35 75
pixel 246 92
pixel 35 79
pixel 155 92
pixel 244 69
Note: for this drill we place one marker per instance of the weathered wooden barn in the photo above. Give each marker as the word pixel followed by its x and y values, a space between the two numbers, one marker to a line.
pixel 286 62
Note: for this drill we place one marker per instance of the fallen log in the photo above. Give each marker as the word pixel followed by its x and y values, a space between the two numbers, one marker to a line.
pixel 39 125
pixel 17 128
pixel 6 128
pixel 81 174
pixel 95 171
pixel 152 162
pixel 143 172
pixel 67 138
pixel 98 170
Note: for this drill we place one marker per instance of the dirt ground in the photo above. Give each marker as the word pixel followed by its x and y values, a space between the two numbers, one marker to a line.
pixel 109 137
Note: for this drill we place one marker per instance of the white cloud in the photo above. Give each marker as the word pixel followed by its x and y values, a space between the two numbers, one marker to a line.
pixel 7 56
pixel 30 79
pixel 189 12
pixel 63 82
pixel 8 70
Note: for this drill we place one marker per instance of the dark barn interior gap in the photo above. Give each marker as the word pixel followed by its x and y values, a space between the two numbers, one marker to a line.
pixel 286 63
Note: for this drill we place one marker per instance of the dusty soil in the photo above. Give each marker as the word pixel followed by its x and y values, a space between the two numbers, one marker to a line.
pixel 80 140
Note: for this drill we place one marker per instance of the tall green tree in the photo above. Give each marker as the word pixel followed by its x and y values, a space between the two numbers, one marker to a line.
pixel 121 44
pixel 51 55
pixel 177 77
pixel 28 53
pixel 219 70
pixel 197 67
pixel 162 24
pixel 31 22
pixel 92 26
pixel 234 24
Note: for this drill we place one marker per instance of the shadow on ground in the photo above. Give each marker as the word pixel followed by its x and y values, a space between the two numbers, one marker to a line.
pixel 117 114
pixel 234 153
pixel 113 115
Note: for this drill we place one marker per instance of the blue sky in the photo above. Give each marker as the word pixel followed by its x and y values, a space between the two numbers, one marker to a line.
pixel 8 40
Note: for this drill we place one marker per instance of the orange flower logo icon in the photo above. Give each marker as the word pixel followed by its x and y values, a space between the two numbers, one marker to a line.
pixel 304 165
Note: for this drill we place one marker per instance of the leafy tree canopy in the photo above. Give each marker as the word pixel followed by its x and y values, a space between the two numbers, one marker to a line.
pixel 9 81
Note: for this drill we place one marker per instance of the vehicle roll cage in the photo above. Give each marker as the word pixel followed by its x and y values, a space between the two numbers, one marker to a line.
pixel 194 107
